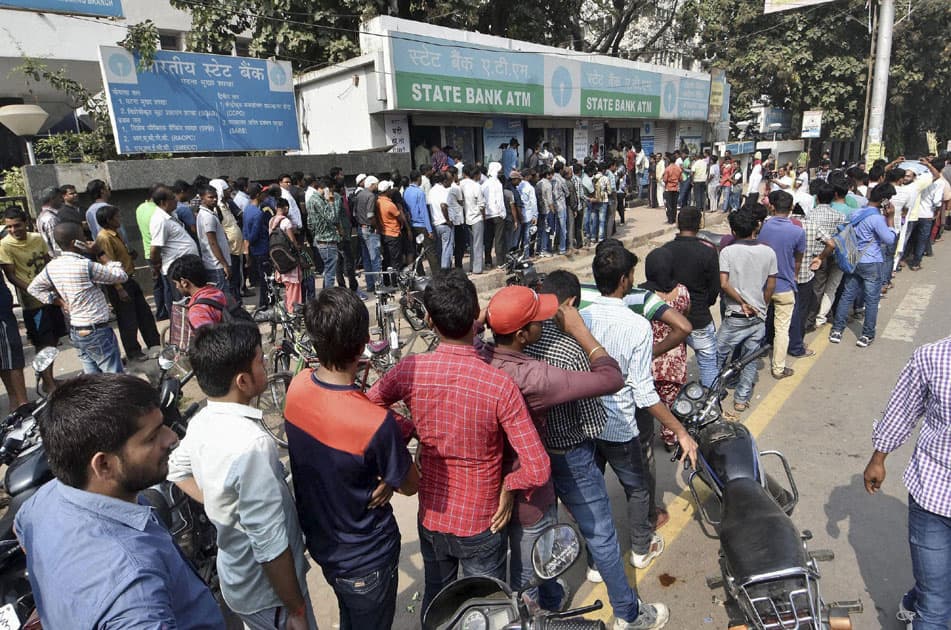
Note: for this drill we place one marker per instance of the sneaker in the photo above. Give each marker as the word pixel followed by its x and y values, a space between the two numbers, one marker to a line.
pixel 650 617
pixel 594 576
pixel 641 561
pixel 906 615
pixel 835 336
pixel 362 295
pixel 863 342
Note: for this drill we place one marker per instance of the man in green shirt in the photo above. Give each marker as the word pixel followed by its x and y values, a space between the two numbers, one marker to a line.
pixel 323 219
pixel 143 217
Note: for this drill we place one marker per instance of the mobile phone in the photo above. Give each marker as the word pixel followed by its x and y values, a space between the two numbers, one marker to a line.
pixel 81 246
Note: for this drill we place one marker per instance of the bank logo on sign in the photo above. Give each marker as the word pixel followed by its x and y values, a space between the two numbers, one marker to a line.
pixel 277 75
pixel 670 97
pixel 561 86
pixel 120 65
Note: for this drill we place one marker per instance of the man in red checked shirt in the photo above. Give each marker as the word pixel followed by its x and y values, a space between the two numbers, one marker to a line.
pixel 463 413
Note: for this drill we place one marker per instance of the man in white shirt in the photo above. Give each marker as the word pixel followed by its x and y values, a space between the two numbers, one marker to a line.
pixel 756 178
pixel 293 212
pixel 526 190
pixel 713 184
pixel 230 464
pixel 700 169
pixel 439 205
pixel 932 198
pixel 241 198
pixel 474 206
pixel 170 239
pixel 212 240
pixel 494 216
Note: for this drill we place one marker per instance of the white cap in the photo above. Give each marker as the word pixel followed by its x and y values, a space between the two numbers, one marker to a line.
pixel 384 186
pixel 361 177
pixel 369 181
pixel 757 156
pixel 494 169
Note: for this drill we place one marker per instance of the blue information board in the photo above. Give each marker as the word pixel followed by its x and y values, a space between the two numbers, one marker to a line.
pixel 100 8
pixel 190 102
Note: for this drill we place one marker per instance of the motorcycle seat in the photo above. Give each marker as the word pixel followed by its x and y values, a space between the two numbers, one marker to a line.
pixel 756 535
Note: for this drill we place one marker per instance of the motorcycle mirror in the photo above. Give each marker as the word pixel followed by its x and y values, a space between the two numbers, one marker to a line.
pixel 44 358
pixel 419 239
pixel 167 357
pixel 555 550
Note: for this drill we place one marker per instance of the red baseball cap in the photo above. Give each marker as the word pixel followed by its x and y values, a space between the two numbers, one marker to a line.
pixel 513 308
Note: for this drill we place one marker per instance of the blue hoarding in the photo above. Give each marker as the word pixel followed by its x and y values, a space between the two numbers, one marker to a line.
pixel 188 102
pixel 101 8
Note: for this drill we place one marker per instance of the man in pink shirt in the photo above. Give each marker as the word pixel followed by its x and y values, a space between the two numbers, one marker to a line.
pixel 190 277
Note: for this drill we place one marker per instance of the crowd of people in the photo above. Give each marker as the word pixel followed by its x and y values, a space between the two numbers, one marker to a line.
pixel 571 379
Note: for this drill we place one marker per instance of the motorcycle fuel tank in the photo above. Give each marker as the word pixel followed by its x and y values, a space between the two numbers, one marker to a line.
pixel 729 450
pixel 30 470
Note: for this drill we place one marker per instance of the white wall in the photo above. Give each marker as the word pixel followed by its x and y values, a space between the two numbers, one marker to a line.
pixel 337 113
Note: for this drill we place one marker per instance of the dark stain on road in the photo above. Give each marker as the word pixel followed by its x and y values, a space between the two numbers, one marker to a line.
pixel 666 579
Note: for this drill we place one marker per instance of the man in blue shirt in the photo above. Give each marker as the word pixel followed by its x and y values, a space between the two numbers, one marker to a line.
pixel 254 230
pixel 184 210
pixel 874 228
pixel 510 157
pixel 97 558
pixel 415 200
pixel 788 240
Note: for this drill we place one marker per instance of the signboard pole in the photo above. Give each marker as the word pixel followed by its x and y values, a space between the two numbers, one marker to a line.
pixel 883 54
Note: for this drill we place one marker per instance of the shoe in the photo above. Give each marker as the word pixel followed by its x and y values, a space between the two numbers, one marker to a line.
pixel 786 373
pixel 137 356
pixel 820 321
pixel 650 617
pixel 835 336
pixel 594 576
pixel 863 342
pixel 642 561
pixel 362 295
pixel 905 614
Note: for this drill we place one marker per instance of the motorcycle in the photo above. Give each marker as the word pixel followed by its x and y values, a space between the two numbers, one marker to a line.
pixel 484 603
pixel 770 576
pixel 520 271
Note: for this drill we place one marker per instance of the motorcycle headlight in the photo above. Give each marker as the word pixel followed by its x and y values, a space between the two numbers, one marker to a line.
pixel 474 620
pixel 694 391
pixel 682 407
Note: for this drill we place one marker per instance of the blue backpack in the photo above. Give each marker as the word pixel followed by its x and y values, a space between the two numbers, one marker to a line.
pixel 847 252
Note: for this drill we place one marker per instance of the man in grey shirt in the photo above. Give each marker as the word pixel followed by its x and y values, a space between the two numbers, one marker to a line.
pixel 747 279
pixel 559 193
pixel 546 208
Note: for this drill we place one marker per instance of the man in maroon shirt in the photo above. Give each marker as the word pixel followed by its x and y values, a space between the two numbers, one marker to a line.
pixel 463 412
pixel 515 315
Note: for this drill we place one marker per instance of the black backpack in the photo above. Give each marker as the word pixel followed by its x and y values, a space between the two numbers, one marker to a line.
pixel 233 313
pixel 281 251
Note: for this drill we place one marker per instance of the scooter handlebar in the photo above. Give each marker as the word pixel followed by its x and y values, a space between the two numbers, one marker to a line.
pixel 573 624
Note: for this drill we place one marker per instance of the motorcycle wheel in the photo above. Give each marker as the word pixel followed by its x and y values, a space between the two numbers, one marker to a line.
pixel 271 404
pixel 414 312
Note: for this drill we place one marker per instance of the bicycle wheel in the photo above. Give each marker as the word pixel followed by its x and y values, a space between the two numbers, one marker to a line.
pixel 271 404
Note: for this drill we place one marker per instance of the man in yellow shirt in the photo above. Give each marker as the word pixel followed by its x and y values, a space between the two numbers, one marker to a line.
pixel 23 255
pixel 132 311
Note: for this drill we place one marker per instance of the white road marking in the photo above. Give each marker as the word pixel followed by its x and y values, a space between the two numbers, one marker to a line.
pixel 910 312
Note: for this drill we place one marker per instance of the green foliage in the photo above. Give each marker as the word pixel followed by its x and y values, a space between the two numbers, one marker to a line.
pixel 142 38
pixel 817 58
pixel 11 180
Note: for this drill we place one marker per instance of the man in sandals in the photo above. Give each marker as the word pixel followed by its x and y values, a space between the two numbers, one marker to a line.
pixel 748 271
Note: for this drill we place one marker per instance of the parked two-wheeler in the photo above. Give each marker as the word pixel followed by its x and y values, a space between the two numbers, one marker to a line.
pixel 520 271
pixel 484 603
pixel 770 577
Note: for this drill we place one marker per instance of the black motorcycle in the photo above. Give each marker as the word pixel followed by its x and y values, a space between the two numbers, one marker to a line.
pixel 520 271
pixel 484 603
pixel 770 577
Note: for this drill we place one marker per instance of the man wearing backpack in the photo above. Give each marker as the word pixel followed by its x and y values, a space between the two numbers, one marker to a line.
pixel 860 257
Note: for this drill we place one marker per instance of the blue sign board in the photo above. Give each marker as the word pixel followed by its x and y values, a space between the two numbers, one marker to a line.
pixel 99 8
pixel 741 148
pixel 188 103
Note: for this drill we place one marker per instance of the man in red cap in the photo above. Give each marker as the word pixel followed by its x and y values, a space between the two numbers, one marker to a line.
pixel 515 315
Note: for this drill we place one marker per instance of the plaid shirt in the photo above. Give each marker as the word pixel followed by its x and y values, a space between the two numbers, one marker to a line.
pixel 923 390
pixel 74 278
pixel 827 220
pixel 570 423
pixel 463 411
pixel 805 274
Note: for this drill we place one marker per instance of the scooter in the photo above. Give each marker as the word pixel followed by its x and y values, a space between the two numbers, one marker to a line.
pixel 770 576
pixel 484 603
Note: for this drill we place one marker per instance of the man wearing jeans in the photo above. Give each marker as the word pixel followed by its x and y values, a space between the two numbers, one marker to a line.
pixel 747 278
pixel 439 202
pixel 212 240
pixel 368 230
pixel 788 240
pixel 931 199
pixel 325 229
pixel 463 412
pixel 560 194
pixel 70 281
pixel 698 269
pixel 515 315
pixel 627 337
pixel 420 223
pixel 922 391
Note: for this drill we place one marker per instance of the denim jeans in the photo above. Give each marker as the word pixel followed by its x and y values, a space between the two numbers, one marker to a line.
pixel 369 600
pixel 217 277
pixel 525 230
pixel 444 554
pixel 370 251
pixel 580 486
pixel 747 334
pixel 328 253
pixel 888 262
pixel 704 344
pixel 446 240
pixel 521 570
pixel 923 239
pixel 559 219
pixel 700 195
pixel 477 250
pixel 346 262
pixel 160 294
pixel 929 536
pixel 805 296
pixel 586 219
pixel 98 350
pixel 867 280
pixel 627 464
pixel 261 264
pixel 683 199
pixel 645 435
pixel 544 227
pixel 599 220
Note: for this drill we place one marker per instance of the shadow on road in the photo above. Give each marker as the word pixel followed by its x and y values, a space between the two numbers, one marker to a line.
pixel 878 532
